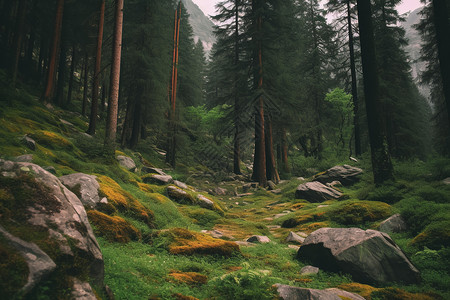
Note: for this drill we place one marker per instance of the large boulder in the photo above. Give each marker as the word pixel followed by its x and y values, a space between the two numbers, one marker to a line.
pixel 40 210
pixel 152 170
pixel 204 202
pixel 369 256
pixel 126 162
pixel 394 223
pixel 157 179
pixel 84 186
pixel 316 192
pixel 347 175
pixel 179 195
pixel 287 292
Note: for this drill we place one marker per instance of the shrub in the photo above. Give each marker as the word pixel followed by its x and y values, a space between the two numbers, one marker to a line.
pixel 114 229
pixel 388 193
pixel 435 236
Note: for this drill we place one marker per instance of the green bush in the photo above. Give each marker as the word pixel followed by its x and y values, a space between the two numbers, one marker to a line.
pixel 390 193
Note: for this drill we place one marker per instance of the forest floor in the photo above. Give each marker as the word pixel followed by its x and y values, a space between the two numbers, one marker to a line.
pixel 145 267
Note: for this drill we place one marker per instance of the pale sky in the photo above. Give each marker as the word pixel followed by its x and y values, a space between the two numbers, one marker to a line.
pixel 207 6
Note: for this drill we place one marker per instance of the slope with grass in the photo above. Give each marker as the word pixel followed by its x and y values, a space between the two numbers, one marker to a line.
pixel 156 249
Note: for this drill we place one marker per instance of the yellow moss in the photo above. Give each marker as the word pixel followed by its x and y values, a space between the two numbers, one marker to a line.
pixel 179 296
pixel 187 242
pixel 191 278
pixel 51 139
pixel 363 290
pixel 314 226
pixel 19 125
pixel 358 212
pixel 145 187
pixel 303 280
pixel 434 236
pixel 122 200
pixel 120 153
pixel 114 229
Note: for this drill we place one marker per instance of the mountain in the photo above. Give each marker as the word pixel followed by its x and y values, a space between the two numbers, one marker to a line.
pixel 201 24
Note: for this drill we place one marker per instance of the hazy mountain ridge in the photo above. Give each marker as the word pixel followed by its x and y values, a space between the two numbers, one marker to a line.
pixel 201 24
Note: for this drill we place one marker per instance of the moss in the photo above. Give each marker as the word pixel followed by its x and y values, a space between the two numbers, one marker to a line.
pixel 114 229
pixel 294 222
pixel 435 236
pixel 185 242
pixel 363 290
pixel 13 270
pixel 398 294
pixel 353 212
pixel 124 201
pixel 145 187
pixel 52 140
pixel 191 278
pixel 179 296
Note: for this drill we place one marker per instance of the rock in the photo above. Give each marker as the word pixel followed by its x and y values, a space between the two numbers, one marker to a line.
pixel 276 192
pixel 53 209
pixel 295 247
pixel 152 170
pixel 446 181
pixel 25 158
pixel 316 192
pixel 179 195
pixel 309 270
pixel 205 202
pixel 82 290
pixel 50 169
pixel 126 162
pixel 322 206
pixel 29 142
pixel 84 186
pixel 346 174
pixel 369 256
pixel 394 223
pixel 295 293
pixel 301 178
pixel 244 243
pixel 294 238
pixel 262 239
pixel 180 184
pixel 158 179
pixel 217 234
pixel 271 185
pixel 220 191
pixel 40 265
pixel 302 234
pixel 334 184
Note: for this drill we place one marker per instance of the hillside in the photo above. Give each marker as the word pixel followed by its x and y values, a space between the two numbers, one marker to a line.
pixel 201 24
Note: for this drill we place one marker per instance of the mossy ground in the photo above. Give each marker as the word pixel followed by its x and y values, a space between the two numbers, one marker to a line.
pixel 147 267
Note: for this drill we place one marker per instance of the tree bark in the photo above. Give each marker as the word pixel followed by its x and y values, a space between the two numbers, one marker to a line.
pixel 59 98
pixel 72 71
pixel 381 160
pixel 284 152
pixel 98 62
pixel 441 24
pixel 357 130
pixel 113 104
pixel 271 165
pixel 49 86
pixel 237 121
pixel 85 79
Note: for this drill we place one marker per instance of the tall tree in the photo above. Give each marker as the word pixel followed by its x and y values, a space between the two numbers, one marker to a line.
pixel 98 62
pixel 381 160
pixel 50 82
pixel 113 103
pixel 18 36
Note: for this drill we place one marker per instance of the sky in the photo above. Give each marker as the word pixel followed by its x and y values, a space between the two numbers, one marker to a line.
pixel 207 6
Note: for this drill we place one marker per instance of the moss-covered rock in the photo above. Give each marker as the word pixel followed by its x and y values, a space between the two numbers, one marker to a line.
pixel 51 140
pixel 354 212
pixel 191 278
pixel 435 236
pixel 185 242
pixel 114 229
pixel 13 270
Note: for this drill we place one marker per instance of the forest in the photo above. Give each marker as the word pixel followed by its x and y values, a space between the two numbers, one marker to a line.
pixel 299 157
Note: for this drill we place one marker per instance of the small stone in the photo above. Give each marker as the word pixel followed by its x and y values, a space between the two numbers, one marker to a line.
pixel 152 170
pixel 29 142
pixel 294 238
pixel 309 270
pixel 245 244
pixel 25 158
pixel 262 239
pixel 276 192
pixel 158 179
pixel 322 206
pixel 295 247
pixel 126 162
pixel 205 202
pixel 180 184
pixel 272 186
pixel 220 191
pixel 446 181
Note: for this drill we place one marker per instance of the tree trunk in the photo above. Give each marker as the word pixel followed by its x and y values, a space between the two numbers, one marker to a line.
pixel 357 130
pixel 18 36
pixel 85 79
pixel 98 61
pixel 381 160
pixel 137 122
pixel 237 121
pixel 72 71
pixel 113 104
pixel 59 98
pixel 49 87
pixel 271 165
pixel 284 152
pixel 441 24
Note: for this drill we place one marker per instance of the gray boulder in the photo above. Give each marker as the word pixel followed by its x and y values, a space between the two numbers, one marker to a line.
pixel 82 290
pixel 287 292
pixel 179 195
pixel 369 256
pixel 29 142
pixel 294 238
pixel 40 265
pixel 25 158
pixel 152 170
pixel 309 270
pixel 346 174
pixel 180 184
pixel 261 239
pixel 394 223
pixel 158 179
pixel 220 191
pixel 205 202
pixel 126 162
pixel 316 192
pixel 84 186
pixel 57 211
